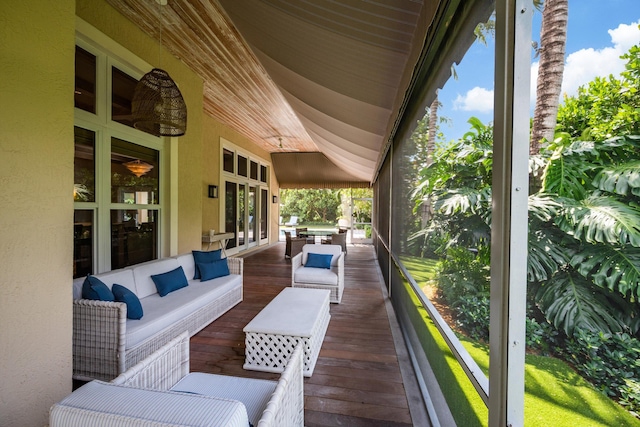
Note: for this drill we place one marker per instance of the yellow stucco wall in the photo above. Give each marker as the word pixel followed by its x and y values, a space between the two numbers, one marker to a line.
pixel 36 174
pixel 37 46
pixel 114 25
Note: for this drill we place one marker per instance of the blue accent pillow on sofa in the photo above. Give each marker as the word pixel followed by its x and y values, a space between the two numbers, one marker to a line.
pixel 170 281
pixel 123 294
pixel 200 257
pixel 318 260
pixel 211 270
pixel 93 288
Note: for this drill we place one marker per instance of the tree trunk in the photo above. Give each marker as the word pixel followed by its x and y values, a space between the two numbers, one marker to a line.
pixel 553 37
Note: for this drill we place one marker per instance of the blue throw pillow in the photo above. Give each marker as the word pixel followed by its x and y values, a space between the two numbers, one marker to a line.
pixel 170 281
pixel 318 260
pixel 200 257
pixel 211 270
pixel 123 294
pixel 93 288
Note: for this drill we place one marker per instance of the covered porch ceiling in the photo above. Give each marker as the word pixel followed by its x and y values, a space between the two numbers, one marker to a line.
pixel 299 77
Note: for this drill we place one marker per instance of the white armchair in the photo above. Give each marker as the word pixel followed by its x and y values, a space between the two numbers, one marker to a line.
pixel 160 391
pixel 303 276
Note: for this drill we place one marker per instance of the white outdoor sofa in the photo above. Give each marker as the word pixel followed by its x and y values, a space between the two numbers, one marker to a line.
pixel 160 391
pixel 303 276
pixel 106 342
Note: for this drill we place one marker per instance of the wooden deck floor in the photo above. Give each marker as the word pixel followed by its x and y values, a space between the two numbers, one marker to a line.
pixel 357 380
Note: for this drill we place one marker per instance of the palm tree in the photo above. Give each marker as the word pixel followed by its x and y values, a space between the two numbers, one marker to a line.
pixel 553 37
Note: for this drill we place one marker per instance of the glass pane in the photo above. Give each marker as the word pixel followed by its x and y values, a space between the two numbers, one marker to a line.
pixel 122 87
pixel 134 237
pixel 264 207
pixel 254 170
pixel 134 173
pixel 241 212
pixel 230 199
pixel 263 173
pixel 252 215
pixel 84 169
pixel 227 160
pixel 242 165
pixel 85 91
pixel 82 243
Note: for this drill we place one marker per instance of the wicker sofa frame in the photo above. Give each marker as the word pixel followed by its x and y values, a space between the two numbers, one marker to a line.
pixel 280 403
pixel 99 332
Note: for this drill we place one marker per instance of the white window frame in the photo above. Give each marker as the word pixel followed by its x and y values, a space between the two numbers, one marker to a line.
pixel 247 182
pixel 109 54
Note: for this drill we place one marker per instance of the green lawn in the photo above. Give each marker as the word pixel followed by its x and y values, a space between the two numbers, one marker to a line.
pixel 555 395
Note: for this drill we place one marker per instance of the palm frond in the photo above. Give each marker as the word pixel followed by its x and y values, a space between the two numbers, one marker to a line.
pixel 570 302
pixel 617 269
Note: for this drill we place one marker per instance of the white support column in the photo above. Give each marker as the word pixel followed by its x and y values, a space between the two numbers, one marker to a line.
pixel 509 212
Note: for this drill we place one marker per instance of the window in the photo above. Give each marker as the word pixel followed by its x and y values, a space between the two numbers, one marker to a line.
pixel 263 173
pixel 85 90
pixel 122 89
pixel 227 161
pixel 242 165
pixel 117 170
pixel 254 170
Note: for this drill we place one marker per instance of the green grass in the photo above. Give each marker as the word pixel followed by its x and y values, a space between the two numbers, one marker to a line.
pixel 555 395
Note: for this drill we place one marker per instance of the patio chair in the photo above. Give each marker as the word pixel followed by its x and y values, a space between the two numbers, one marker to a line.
pixel 293 244
pixel 337 239
pixel 159 390
pixel 293 221
pixel 305 275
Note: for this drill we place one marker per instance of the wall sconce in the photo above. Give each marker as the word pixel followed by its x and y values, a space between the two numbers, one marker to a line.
pixel 274 199
pixel 213 191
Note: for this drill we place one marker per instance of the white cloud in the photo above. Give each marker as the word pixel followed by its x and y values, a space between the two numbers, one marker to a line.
pixel 477 99
pixel 584 65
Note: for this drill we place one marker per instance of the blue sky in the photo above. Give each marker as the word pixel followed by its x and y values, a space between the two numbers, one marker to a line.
pixel 599 31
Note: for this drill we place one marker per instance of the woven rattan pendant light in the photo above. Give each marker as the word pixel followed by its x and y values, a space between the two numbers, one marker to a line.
pixel 157 105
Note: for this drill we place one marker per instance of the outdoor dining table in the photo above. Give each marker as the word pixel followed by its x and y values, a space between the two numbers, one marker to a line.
pixel 317 233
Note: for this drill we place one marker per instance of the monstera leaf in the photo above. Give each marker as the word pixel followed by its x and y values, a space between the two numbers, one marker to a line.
pixel 569 301
pixel 566 174
pixel 617 269
pixel 546 256
pixel 620 179
pixel 603 219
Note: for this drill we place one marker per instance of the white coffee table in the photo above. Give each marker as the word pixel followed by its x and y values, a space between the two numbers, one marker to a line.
pixel 295 314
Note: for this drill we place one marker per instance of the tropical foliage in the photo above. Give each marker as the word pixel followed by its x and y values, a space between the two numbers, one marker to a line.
pixel 584 231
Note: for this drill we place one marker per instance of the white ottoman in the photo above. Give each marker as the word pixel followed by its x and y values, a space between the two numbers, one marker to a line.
pixel 295 314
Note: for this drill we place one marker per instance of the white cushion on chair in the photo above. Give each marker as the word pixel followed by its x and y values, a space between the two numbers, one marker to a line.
pixel 253 393
pixel 320 276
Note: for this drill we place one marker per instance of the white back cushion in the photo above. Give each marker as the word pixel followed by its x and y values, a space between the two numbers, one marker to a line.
pixel 142 274
pixel 123 277
pixel 334 250
pixel 188 264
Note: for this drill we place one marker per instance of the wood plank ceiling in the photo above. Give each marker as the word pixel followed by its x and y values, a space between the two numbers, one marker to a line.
pixel 296 76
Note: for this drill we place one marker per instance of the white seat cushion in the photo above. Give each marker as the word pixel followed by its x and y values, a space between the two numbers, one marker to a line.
pixel 161 312
pixel 253 393
pixel 320 276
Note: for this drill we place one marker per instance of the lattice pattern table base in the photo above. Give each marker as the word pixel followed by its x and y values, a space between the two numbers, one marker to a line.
pixel 270 351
